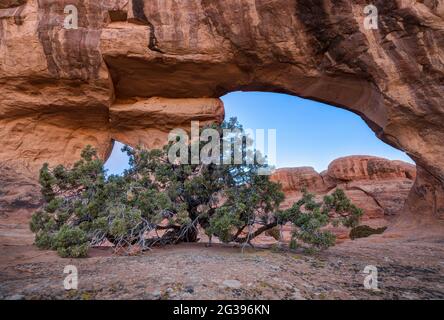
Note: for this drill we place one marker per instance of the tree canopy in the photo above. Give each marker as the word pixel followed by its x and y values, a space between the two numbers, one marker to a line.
pixel 158 201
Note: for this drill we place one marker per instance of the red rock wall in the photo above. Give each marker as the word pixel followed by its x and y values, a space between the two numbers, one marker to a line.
pixel 139 49
pixel 377 185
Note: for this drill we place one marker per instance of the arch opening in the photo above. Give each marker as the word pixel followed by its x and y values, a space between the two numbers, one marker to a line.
pixel 117 161
pixel 321 148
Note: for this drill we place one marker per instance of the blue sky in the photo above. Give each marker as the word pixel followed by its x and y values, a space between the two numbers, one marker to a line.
pixel 308 133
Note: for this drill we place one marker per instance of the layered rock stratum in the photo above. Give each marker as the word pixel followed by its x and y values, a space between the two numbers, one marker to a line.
pixel 131 60
pixel 378 186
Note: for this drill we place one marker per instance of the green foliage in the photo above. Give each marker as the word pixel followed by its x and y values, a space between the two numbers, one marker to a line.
pixel 76 251
pixel 293 244
pixel 309 218
pixel 70 242
pixel 47 181
pixel 44 240
pixel 39 221
pixel 84 207
pixel 365 231
pixel 124 220
pixel 350 214
pixel 223 223
pixel 53 205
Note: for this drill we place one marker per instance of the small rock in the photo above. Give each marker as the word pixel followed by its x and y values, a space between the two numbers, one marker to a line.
pixel 232 284
pixel 275 268
pixel 189 289
pixel 297 295
pixel 156 293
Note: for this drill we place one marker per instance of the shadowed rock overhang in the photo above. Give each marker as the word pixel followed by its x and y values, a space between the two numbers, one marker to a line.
pixel 61 89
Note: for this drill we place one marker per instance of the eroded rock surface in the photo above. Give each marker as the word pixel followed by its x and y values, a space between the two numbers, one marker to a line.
pixel 58 87
pixel 377 185
pixel 148 122
pixel 4 4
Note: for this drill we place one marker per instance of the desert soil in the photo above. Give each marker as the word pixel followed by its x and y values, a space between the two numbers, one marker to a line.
pixel 407 269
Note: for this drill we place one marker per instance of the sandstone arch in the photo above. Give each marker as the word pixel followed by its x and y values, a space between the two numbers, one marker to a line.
pixel 62 88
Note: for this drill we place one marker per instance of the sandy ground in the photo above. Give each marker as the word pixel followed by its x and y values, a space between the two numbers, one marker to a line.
pixel 407 269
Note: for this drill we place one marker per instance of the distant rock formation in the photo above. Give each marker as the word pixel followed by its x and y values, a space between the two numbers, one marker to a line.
pixel 377 185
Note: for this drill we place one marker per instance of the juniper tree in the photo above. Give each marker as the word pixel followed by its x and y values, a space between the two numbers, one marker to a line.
pixel 158 201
